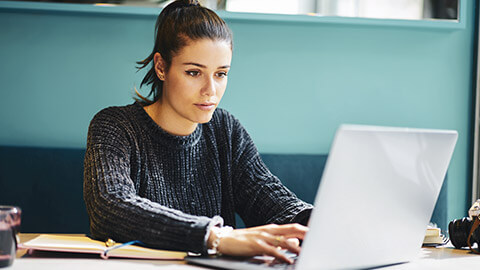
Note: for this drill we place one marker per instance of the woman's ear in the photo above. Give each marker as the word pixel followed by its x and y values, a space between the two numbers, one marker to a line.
pixel 159 66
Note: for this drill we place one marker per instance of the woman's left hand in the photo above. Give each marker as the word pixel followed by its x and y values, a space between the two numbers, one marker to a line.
pixel 262 240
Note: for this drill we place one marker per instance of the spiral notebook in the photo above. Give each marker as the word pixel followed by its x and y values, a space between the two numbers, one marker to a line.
pixel 84 244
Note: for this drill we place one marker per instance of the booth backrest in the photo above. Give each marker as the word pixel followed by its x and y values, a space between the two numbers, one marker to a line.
pixel 47 183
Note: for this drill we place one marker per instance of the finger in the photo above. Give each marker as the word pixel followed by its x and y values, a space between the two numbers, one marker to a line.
pixel 280 241
pixel 287 230
pixel 292 227
pixel 272 251
pixel 294 241
pixel 292 247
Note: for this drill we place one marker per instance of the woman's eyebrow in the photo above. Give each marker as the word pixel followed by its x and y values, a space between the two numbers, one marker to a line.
pixel 203 66
pixel 194 64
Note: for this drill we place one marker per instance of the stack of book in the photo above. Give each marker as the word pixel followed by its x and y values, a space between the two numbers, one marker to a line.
pixel 434 237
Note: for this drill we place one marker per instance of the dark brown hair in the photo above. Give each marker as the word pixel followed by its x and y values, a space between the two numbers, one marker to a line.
pixel 178 23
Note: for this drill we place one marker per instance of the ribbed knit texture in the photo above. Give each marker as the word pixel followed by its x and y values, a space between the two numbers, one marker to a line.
pixel 142 183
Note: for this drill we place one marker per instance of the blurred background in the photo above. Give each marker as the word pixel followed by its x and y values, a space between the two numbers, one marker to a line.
pixel 398 9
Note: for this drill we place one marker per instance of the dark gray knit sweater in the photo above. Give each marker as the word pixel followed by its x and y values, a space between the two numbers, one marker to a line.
pixel 142 183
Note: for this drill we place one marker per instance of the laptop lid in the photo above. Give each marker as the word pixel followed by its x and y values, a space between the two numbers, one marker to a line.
pixel 376 197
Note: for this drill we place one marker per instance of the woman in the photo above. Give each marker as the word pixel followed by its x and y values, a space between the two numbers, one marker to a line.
pixel 172 171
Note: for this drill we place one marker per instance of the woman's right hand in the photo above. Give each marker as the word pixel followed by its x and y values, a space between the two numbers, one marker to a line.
pixel 261 240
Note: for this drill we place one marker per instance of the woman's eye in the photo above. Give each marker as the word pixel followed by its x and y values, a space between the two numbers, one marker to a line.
pixel 222 74
pixel 192 73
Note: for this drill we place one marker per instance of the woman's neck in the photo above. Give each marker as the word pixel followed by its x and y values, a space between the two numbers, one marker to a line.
pixel 169 120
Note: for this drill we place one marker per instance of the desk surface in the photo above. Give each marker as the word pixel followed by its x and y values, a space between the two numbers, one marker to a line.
pixel 429 258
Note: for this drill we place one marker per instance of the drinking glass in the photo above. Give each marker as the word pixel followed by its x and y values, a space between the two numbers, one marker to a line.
pixel 10 217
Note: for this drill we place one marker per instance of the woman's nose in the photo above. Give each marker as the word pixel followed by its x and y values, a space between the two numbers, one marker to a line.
pixel 209 88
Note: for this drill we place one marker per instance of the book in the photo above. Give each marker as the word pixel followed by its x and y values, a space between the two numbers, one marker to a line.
pixel 434 237
pixel 84 244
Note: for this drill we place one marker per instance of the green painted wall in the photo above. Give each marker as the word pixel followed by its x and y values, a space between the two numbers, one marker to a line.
pixel 292 83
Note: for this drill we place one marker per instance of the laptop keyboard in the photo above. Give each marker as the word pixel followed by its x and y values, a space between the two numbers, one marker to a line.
pixel 254 263
pixel 267 262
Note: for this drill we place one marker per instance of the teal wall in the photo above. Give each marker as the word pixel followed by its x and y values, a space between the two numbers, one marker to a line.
pixel 294 78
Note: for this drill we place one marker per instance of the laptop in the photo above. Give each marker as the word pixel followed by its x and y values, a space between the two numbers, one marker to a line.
pixel 374 201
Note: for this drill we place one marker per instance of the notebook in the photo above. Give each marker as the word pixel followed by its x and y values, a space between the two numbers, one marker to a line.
pixel 84 244
pixel 374 202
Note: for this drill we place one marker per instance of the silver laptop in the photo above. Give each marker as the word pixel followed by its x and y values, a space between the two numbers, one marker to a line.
pixel 374 202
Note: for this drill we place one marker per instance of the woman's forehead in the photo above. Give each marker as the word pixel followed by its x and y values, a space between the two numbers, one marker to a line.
pixel 207 52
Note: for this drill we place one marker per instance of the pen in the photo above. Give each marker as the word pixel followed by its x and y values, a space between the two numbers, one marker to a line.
pixel 110 244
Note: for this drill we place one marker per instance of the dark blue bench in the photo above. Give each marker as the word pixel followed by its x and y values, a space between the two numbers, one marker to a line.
pixel 47 183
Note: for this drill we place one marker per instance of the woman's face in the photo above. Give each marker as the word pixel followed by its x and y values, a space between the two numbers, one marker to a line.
pixel 195 82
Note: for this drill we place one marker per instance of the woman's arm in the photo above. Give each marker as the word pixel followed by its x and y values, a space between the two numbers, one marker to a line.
pixel 260 197
pixel 115 210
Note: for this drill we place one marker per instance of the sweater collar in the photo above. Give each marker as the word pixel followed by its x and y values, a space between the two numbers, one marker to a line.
pixel 163 136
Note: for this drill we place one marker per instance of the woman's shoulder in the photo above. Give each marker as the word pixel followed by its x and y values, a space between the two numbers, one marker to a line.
pixel 114 118
pixel 116 115
pixel 115 112
pixel 226 123
pixel 223 120
pixel 228 127
pixel 222 116
pixel 113 125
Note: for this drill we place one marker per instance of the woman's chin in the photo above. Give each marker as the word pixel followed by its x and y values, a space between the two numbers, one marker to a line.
pixel 205 118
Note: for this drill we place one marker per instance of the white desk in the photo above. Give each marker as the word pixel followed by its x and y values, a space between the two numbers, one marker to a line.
pixel 446 258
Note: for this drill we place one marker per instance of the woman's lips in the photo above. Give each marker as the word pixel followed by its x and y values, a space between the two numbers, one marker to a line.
pixel 205 106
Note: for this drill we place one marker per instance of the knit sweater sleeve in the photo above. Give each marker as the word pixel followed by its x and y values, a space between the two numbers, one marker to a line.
pixel 260 197
pixel 114 208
